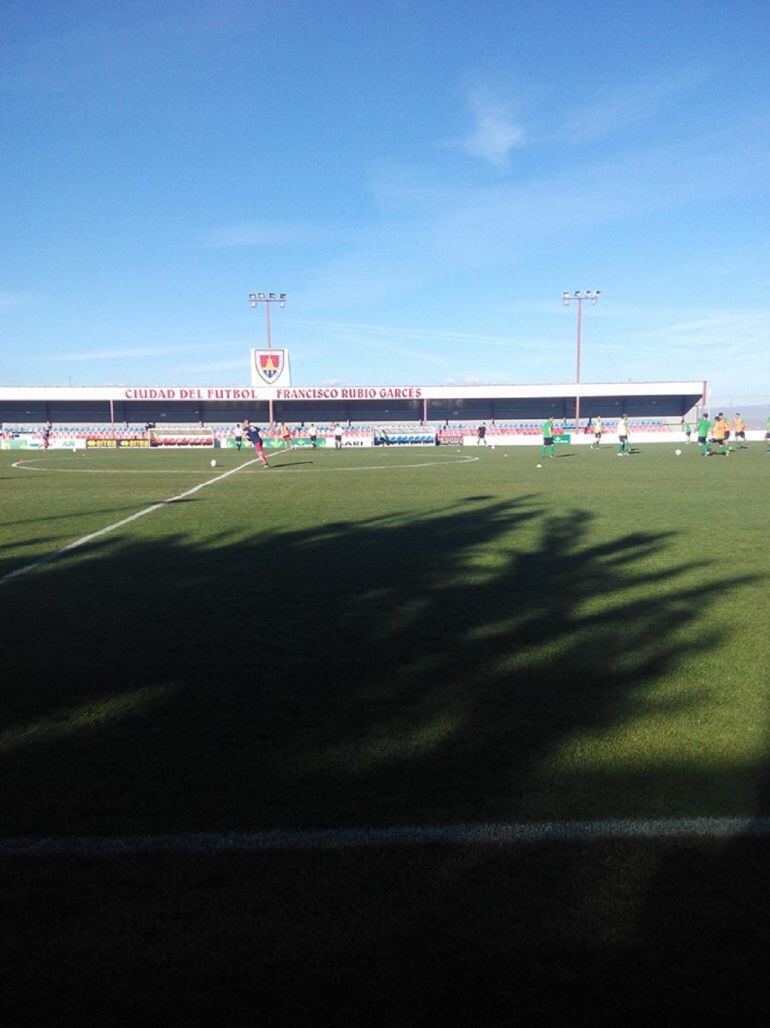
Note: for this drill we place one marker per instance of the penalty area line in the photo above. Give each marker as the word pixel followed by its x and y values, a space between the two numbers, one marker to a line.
pixel 119 524
pixel 706 828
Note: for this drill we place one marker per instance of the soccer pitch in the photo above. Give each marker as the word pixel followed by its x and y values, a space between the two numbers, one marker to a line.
pixel 390 638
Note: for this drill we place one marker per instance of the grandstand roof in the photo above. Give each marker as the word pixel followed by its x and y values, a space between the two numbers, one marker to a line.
pixel 696 389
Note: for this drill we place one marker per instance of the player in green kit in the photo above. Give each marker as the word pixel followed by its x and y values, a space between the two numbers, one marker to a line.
pixel 623 448
pixel 704 427
pixel 767 435
pixel 547 446
pixel 597 434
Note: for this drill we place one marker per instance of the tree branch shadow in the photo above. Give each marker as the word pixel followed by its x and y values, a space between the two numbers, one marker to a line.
pixel 397 670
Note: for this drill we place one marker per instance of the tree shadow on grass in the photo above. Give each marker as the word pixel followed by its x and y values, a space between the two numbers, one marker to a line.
pixel 65 515
pixel 394 671
pixel 23 544
pixel 421 670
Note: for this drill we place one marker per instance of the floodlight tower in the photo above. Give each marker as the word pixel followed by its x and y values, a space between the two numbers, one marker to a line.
pixel 267 299
pixel 579 295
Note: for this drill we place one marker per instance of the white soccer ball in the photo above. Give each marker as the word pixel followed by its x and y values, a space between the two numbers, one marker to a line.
pixel 213 463
pixel 678 453
pixel 539 465
pixel 491 447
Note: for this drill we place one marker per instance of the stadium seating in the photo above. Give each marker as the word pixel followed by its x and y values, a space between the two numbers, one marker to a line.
pixel 398 433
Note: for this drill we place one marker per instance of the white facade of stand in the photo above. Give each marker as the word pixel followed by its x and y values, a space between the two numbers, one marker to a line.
pixel 179 393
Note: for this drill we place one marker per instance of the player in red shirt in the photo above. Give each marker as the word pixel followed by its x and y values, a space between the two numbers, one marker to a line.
pixel 252 434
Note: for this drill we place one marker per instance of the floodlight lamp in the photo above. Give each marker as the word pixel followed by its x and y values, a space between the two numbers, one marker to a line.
pixel 253 299
pixel 282 296
pixel 260 296
pixel 272 296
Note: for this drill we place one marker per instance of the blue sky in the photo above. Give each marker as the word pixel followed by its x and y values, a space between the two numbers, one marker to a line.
pixel 423 179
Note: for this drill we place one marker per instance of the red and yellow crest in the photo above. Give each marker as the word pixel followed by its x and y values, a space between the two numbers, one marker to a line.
pixel 269 364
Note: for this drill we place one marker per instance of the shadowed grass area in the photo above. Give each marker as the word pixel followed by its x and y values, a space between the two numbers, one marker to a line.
pixel 420 669
pixel 575 932
pixel 311 650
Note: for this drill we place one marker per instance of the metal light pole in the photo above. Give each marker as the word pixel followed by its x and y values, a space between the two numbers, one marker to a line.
pixel 592 295
pixel 267 299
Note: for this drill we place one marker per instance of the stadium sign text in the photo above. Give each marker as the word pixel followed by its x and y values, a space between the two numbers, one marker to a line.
pixel 255 393
pixel 194 393
pixel 352 393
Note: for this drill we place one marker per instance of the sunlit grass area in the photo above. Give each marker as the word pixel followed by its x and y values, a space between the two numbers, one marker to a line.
pixel 380 638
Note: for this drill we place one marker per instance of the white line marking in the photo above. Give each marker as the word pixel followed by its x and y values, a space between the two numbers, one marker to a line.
pixel 26 465
pixel 119 524
pixel 367 838
pixel 111 471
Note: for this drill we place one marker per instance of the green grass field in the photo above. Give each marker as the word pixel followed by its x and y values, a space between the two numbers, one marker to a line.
pixel 374 638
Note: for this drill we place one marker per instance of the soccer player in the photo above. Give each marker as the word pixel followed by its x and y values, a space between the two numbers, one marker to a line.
pixel 704 427
pixel 547 447
pixel 687 432
pixel 597 434
pixel 739 430
pixel 718 434
pixel 238 436
pixel 623 436
pixel 285 433
pixel 313 433
pixel 767 434
pixel 726 433
pixel 338 436
pixel 482 435
pixel 252 434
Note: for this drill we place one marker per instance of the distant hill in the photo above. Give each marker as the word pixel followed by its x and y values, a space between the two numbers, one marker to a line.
pixel 755 415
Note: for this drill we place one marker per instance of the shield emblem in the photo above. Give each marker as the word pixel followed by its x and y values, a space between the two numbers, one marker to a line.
pixel 269 364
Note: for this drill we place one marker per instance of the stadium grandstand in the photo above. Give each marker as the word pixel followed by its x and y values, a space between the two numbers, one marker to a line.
pixel 200 416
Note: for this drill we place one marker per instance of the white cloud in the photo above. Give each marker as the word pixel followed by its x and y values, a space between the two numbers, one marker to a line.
pixel 423 335
pixel 108 355
pixel 467 380
pixel 240 364
pixel 495 133
pixel 9 300
pixel 265 233
pixel 731 335
pixel 614 109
